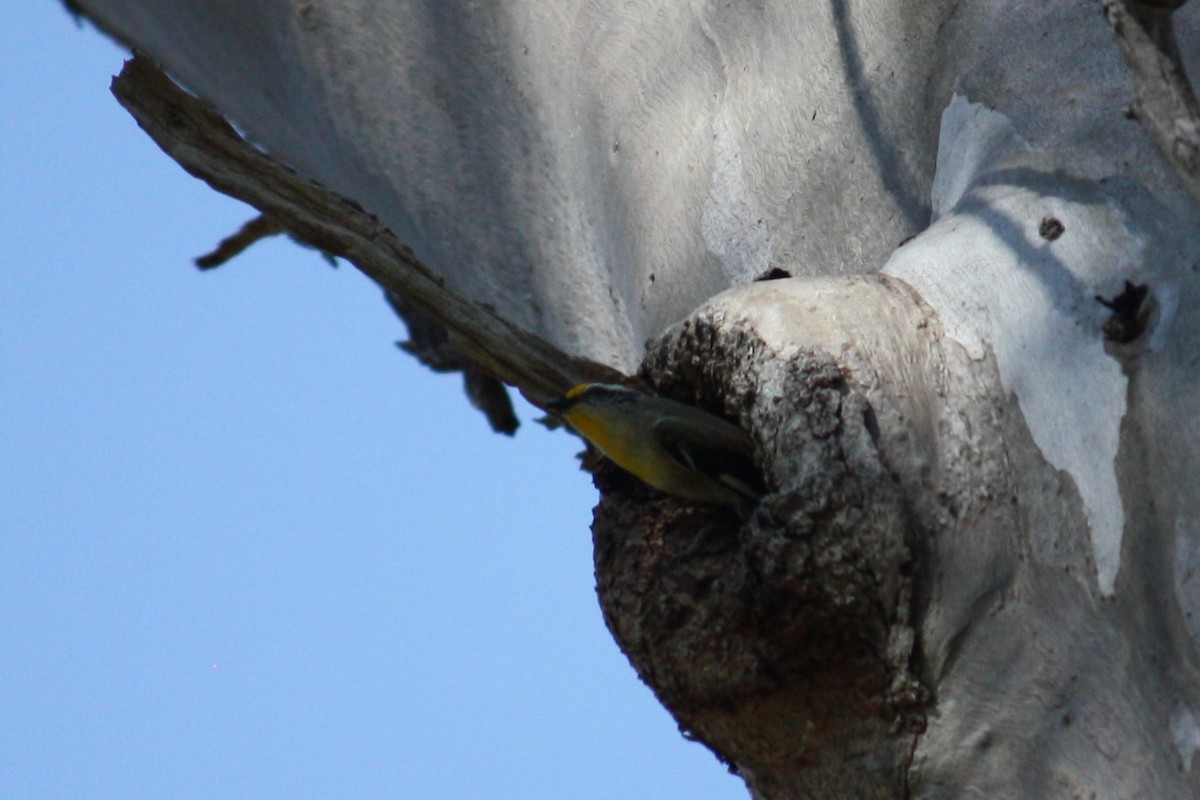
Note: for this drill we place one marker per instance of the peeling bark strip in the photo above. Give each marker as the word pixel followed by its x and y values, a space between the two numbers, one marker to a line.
pixel 208 147
pixel 1165 102
pixel 257 229
pixel 428 343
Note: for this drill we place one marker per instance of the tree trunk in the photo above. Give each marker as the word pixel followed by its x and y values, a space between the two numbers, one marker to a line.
pixel 972 379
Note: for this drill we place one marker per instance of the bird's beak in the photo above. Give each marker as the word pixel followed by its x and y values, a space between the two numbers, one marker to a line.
pixel 558 406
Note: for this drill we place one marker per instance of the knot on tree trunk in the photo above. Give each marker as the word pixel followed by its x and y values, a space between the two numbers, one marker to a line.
pixel 784 643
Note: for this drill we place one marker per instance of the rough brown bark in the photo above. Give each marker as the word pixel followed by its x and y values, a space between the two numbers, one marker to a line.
pixel 785 644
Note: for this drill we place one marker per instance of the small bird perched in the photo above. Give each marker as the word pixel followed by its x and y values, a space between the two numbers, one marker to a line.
pixel 671 446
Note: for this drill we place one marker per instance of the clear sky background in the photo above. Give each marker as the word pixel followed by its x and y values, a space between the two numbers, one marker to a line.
pixel 248 549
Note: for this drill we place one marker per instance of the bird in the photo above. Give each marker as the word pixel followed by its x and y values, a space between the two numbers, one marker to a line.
pixel 674 447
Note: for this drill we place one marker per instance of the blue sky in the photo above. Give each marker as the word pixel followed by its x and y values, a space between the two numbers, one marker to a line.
pixel 247 548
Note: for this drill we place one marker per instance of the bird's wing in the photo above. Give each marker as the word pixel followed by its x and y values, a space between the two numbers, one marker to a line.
pixel 727 459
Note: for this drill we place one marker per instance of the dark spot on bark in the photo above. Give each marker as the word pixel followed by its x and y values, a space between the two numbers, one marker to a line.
pixel 872 424
pixel 1131 312
pixel 1051 228
pixel 774 274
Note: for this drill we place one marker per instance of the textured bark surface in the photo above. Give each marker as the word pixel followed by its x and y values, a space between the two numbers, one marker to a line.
pixel 910 613
pixel 785 645
pixel 594 171
pixel 1164 100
